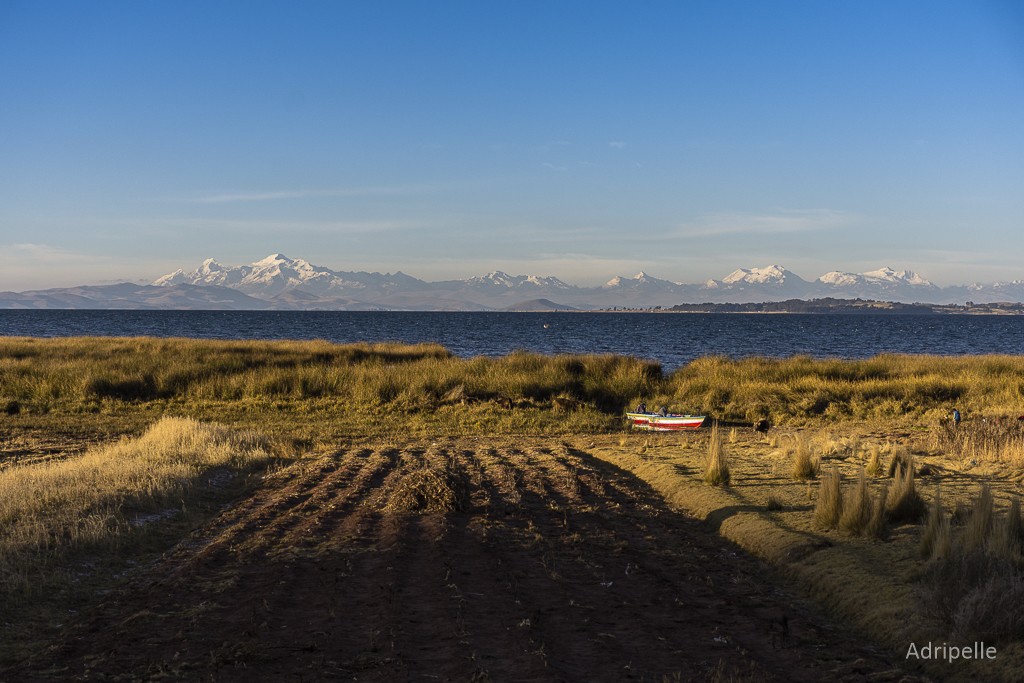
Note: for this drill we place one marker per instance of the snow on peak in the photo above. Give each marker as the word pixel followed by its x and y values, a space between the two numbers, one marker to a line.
pixel 772 274
pixel 500 278
pixel 838 278
pixel 210 266
pixel 887 274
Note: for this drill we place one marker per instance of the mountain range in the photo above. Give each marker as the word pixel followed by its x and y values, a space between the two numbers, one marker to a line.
pixel 281 283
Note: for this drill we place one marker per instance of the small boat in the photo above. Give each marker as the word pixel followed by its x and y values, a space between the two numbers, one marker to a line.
pixel 665 423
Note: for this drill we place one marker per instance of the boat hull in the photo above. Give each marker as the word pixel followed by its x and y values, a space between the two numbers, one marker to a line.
pixel 665 423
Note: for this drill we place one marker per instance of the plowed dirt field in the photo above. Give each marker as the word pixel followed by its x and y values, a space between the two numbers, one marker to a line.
pixel 455 560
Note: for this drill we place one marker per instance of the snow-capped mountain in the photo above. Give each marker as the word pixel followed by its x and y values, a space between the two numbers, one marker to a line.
pixel 277 274
pixel 884 283
pixel 896 277
pixel 746 285
pixel 641 282
pixel 769 275
pixel 501 279
pixel 296 283
pixel 279 282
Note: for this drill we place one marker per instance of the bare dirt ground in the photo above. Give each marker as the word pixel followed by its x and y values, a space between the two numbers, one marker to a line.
pixel 455 560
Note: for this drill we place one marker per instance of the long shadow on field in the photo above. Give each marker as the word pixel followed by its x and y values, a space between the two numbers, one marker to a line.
pixel 558 566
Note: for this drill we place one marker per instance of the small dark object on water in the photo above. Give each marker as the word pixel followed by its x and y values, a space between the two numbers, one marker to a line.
pixel 762 426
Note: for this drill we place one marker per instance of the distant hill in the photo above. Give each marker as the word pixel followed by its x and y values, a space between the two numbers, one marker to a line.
pixel 539 305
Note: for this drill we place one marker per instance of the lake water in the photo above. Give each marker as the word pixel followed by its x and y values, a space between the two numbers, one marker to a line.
pixel 672 339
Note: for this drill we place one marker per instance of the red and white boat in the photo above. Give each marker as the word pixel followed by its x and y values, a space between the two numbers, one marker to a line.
pixel 665 423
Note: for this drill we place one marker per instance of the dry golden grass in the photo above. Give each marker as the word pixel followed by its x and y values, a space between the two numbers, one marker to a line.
pixel 878 525
pixel 716 472
pixel 857 509
pixel 933 526
pixel 979 525
pixel 829 507
pixel 885 386
pixel 79 372
pixel 1007 536
pixel 874 466
pixel 91 375
pixel 806 463
pixel 905 503
pixel 98 500
pixel 974 583
pixel 995 439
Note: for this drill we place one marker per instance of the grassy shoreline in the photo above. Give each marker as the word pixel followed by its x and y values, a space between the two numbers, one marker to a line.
pixel 432 389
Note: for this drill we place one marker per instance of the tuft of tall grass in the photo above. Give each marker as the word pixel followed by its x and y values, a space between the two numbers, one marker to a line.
pixel 806 462
pixel 905 503
pixel 901 460
pixel 936 541
pixel 878 525
pixel 829 508
pixel 874 466
pixel 976 586
pixel 1007 536
pixel 857 511
pixel 716 473
pixel 979 524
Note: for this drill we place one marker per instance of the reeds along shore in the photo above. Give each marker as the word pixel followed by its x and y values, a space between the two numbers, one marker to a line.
pixel 39 375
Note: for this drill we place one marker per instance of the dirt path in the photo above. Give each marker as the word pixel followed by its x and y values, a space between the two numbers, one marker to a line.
pixel 456 560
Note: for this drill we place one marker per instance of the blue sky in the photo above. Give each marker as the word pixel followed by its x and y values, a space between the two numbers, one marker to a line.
pixel 448 139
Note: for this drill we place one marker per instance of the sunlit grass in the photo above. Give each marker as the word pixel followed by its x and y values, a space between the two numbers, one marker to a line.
pixel 99 501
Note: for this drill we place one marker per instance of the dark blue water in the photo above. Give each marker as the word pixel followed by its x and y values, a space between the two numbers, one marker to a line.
pixel 672 339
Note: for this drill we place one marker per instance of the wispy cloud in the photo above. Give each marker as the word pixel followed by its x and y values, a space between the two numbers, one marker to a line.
pixel 46 254
pixel 617 144
pixel 784 221
pixel 291 226
pixel 237 197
